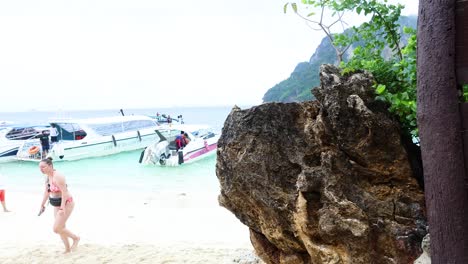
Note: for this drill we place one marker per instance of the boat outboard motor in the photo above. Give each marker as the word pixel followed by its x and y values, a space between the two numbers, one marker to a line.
pixel 146 156
pixel 161 152
pixel 58 151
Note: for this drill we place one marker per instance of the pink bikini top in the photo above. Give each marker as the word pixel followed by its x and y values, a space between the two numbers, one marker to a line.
pixel 53 188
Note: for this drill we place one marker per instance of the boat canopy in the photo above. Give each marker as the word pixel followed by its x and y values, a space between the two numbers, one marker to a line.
pixel 119 127
pixel 78 129
pixel 24 132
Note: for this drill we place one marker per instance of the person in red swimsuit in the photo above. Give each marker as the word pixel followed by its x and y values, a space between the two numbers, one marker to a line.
pixel 2 200
pixel 57 193
pixel 2 194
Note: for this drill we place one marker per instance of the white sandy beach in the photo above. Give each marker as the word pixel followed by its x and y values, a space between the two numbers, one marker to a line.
pixel 120 227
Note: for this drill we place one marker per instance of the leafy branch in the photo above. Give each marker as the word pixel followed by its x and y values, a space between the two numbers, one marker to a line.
pixel 340 50
pixel 395 75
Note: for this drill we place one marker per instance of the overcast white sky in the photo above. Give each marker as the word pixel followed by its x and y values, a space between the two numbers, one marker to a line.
pixel 112 54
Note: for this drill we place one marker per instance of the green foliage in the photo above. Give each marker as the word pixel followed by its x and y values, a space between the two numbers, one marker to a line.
pixel 377 48
pixel 395 76
pixel 395 79
pixel 465 93
pixel 308 72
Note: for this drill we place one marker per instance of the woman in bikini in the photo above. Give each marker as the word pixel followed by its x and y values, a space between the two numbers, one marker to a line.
pixel 57 193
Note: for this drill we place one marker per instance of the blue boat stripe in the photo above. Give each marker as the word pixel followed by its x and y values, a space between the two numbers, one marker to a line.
pixel 9 152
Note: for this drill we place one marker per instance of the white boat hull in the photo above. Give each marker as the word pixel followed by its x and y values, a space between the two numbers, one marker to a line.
pixel 8 152
pixel 79 150
pixel 89 147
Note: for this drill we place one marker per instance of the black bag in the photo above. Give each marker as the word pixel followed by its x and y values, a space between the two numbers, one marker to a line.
pixel 55 201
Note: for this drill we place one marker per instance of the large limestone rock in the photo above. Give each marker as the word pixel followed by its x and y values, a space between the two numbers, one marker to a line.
pixel 326 181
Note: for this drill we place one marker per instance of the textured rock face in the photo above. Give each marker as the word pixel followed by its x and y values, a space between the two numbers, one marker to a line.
pixel 326 181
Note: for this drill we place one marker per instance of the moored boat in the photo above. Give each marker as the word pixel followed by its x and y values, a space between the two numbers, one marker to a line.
pixel 85 138
pixel 201 143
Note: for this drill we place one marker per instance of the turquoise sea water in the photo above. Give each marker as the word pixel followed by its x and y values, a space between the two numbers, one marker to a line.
pixel 120 201
pixel 121 172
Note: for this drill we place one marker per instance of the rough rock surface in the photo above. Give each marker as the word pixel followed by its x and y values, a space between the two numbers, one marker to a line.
pixel 326 181
pixel 425 257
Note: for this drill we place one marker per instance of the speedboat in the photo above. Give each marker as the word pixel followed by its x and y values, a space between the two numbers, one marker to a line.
pixel 85 138
pixel 13 136
pixel 164 152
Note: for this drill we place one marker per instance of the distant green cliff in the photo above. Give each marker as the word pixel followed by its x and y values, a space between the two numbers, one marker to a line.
pixel 305 76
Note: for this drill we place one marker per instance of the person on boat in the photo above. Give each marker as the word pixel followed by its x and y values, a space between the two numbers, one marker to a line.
pixel 180 141
pixel 53 134
pixel 186 139
pixel 169 120
pixel 56 191
pixel 44 138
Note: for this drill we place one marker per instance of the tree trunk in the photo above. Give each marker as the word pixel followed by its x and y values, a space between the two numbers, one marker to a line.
pixel 439 124
pixel 339 55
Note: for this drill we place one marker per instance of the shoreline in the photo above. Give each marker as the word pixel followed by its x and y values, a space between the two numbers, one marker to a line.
pixel 166 227
pixel 126 253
